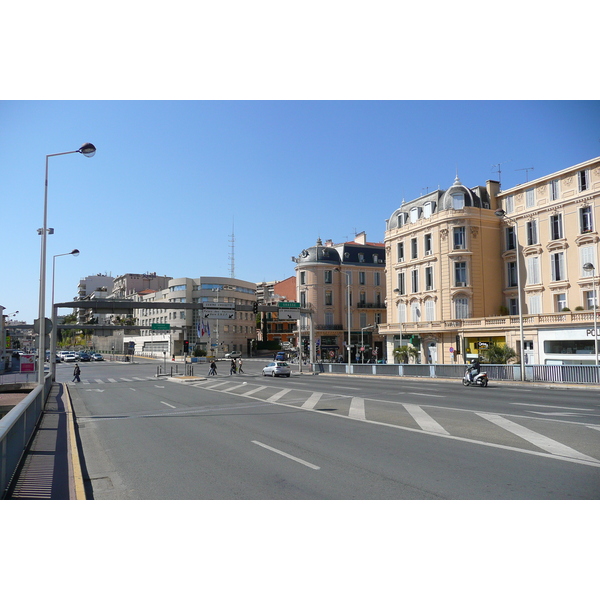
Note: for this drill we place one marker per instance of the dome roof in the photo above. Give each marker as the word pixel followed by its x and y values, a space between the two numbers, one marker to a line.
pixel 453 195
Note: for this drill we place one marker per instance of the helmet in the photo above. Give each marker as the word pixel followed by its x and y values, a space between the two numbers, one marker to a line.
pixel 473 361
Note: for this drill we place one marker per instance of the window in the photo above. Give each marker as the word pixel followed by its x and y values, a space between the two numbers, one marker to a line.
pixel 586 255
pixel 401 313
pixel 511 270
pixel 427 209
pixel 377 318
pixel 583 180
pixel 429 310
pixel 414 252
pixel 458 201
pixel 303 299
pixel 557 263
pixel 376 278
pixel 554 189
pixel 461 307
pixel 328 277
pixel 361 257
pixel 400 251
pixel 362 278
pixel 401 284
pixel 415 280
pixel 363 298
pixel 362 319
pixel 530 198
pixel 591 301
pixel 428 278
pixel 328 297
pixel 511 240
pixel 414 214
pixel 428 244
pixel 302 277
pixel 415 311
pixel 513 306
pixel 375 258
pixel 585 219
pixel 556 230
pixel 535 305
pixel 460 274
pixel 533 270
pixel 560 302
pixel 328 318
pixel 459 238
pixel 509 202
pixel 532 235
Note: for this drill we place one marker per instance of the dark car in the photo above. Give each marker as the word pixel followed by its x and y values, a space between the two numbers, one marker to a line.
pixel 84 357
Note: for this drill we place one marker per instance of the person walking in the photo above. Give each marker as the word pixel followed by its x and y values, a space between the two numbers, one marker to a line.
pixel 232 369
pixel 240 365
pixel 76 373
pixel 213 369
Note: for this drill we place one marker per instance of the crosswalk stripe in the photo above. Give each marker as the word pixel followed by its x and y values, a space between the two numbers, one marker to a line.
pixel 312 401
pixel 279 395
pixel 424 421
pixel 537 439
pixel 357 409
pixel 235 387
pixel 251 391
pixel 125 379
pixel 112 380
pixel 98 381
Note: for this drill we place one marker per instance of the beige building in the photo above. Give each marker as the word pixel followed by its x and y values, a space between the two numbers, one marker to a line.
pixel 455 260
pixel 343 285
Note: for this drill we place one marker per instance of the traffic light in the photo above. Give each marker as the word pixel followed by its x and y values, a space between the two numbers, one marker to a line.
pixel 255 307
pixel 186 346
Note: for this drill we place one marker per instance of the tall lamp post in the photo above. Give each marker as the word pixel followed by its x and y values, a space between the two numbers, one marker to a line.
pixel 502 214
pixel 54 332
pixel 592 268
pixel 347 274
pixel 87 150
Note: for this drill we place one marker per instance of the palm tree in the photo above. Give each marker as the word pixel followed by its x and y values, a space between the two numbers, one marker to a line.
pixel 497 354
pixel 403 354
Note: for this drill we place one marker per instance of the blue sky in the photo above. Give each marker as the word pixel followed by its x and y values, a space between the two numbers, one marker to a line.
pixel 172 180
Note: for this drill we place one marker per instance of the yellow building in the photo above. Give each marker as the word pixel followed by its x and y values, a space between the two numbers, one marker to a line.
pixel 455 259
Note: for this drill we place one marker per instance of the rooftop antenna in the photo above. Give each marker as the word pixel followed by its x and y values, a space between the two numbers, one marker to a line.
pixel 232 253
pixel 526 169
pixel 500 172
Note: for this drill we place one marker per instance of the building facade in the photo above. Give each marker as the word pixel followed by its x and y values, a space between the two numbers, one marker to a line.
pixel 343 286
pixel 273 327
pixel 468 267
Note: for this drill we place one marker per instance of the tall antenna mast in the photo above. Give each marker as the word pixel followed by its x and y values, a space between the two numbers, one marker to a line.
pixel 500 172
pixel 526 169
pixel 232 253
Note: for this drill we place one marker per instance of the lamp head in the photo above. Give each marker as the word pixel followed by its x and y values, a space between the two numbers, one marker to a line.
pixel 75 252
pixel 87 150
pixel 500 213
pixel 588 267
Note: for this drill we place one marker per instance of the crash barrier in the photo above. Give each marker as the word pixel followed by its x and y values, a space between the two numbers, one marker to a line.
pixel 16 429
pixel 175 370
pixel 533 373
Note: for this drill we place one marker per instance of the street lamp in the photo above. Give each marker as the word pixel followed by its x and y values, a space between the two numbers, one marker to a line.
pixel 87 150
pixel 502 214
pixel 54 332
pixel 592 268
pixel 347 274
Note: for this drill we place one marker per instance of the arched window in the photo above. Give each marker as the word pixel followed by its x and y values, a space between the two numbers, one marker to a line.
pixel 458 201
pixel 430 310
pixel 415 311
pixel 401 312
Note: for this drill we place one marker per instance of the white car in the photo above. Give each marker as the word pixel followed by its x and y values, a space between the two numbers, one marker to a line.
pixel 70 357
pixel 234 354
pixel 278 368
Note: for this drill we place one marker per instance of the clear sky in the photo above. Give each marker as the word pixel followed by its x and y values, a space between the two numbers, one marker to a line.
pixel 172 181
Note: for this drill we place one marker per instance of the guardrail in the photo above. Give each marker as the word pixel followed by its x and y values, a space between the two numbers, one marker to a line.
pixel 533 373
pixel 16 429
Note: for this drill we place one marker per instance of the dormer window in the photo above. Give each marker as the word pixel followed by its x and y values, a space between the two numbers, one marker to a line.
pixel 361 257
pixel 458 201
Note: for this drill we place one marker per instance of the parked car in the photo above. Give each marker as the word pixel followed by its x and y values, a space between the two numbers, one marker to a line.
pixel 84 357
pixel 97 356
pixel 234 354
pixel 70 357
pixel 277 368
pixel 280 356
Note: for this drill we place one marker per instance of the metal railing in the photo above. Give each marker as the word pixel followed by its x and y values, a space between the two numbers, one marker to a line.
pixel 16 429
pixel 533 373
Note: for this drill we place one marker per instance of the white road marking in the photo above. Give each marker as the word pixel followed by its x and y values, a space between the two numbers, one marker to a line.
pixel 554 414
pixel 124 379
pixel 357 409
pixel 257 389
pixel 424 421
pixel 216 385
pixel 160 386
pixel 169 405
pixel 235 387
pixel 430 395
pixel 98 381
pixel 299 460
pixel 139 379
pixel 312 401
pixel 537 439
pixel 549 406
pixel 343 387
pixel 112 380
pixel 278 395
pixel 93 390
pixel 594 427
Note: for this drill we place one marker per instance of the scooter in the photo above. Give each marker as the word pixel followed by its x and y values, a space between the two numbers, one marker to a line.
pixel 481 379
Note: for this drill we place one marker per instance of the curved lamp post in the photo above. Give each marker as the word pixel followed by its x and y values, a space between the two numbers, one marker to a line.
pixel 502 215
pixel 54 332
pixel 592 268
pixel 87 150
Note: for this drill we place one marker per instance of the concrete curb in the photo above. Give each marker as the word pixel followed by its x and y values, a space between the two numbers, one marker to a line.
pixel 76 487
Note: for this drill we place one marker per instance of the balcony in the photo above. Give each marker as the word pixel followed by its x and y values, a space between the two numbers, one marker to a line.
pixel 329 327
pixel 379 305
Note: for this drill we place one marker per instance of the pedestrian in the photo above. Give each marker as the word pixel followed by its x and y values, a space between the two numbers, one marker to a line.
pixel 240 365
pixel 213 369
pixel 76 373
pixel 232 369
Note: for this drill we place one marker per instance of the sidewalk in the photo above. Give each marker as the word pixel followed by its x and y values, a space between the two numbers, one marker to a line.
pixel 50 470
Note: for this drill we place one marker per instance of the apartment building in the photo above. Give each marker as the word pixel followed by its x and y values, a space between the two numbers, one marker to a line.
pixel 468 267
pixel 215 329
pixel 343 285
pixel 273 327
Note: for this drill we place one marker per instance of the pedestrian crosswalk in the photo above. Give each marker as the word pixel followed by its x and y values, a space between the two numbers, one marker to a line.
pixel 565 441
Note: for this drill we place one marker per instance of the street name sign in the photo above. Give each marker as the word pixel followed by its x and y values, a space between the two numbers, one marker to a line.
pixel 160 326
pixel 288 304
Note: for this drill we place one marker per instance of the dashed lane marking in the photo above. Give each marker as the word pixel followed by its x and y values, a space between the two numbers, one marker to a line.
pixel 357 409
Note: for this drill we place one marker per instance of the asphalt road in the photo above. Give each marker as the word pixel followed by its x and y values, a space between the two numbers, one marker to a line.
pixel 329 437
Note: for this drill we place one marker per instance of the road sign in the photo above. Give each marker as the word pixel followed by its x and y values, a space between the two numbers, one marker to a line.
pixel 218 314
pixel 288 304
pixel 286 314
pixel 229 305
pixel 160 326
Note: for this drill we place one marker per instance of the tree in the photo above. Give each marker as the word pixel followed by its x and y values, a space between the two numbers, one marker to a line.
pixel 497 354
pixel 403 354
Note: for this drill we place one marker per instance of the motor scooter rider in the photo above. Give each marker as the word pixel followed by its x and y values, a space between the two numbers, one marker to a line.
pixel 474 369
